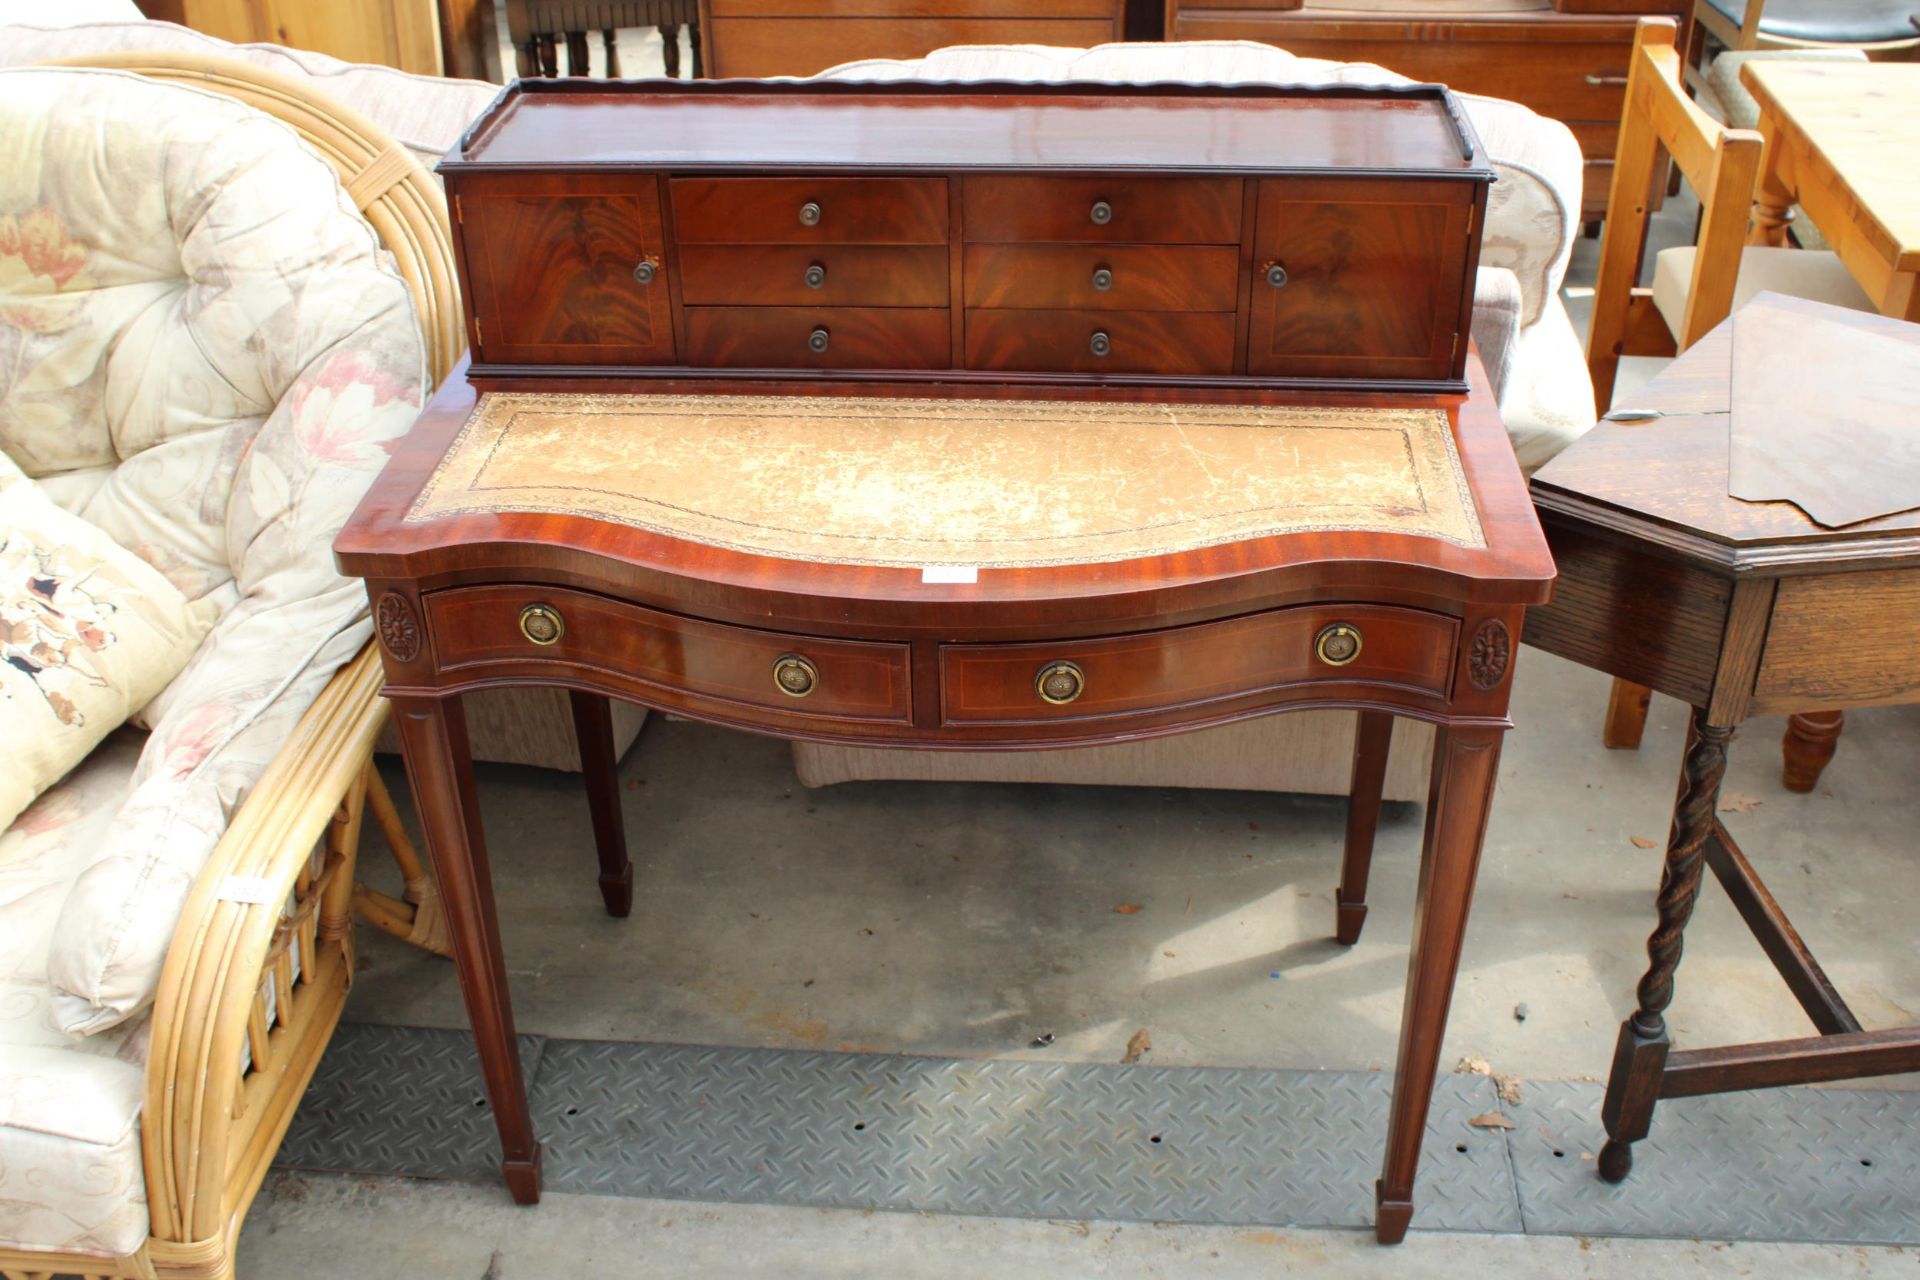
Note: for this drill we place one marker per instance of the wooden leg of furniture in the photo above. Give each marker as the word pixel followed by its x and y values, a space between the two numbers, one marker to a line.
pixel 670 49
pixel 1465 765
pixel 1626 715
pixel 547 54
pixel 1372 738
pixel 1772 197
pixel 433 738
pixel 593 726
pixel 415 917
pixel 1808 747
pixel 610 46
pixel 693 45
pixel 1640 1054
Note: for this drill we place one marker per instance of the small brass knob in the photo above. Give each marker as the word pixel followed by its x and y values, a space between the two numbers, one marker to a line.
pixel 1102 279
pixel 809 214
pixel 1337 644
pixel 816 276
pixel 644 271
pixel 1276 275
pixel 817 341
pixel 1100 344
pixel 794 676
pixel 542 624
pixel 1060 683
pixel 1101 213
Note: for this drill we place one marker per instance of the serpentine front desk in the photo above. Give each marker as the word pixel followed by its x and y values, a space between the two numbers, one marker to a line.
pixel 941 566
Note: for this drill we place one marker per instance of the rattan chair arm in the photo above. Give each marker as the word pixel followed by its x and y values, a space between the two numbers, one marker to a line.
pixel 216 963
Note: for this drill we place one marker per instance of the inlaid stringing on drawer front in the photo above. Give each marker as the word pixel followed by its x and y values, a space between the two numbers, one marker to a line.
pixel 843 679
pixel 809 210
pixel 1118 210
pixel 1103 277
pixel 1212 661
pixel 828 275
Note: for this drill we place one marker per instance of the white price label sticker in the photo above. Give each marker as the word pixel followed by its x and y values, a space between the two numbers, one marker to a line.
pixel 950 573
pixel 255 889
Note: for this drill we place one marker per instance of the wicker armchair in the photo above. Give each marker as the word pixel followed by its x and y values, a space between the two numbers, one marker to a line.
pixel 258 967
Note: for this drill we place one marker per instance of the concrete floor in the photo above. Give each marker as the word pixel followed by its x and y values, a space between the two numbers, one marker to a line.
pixel 967 920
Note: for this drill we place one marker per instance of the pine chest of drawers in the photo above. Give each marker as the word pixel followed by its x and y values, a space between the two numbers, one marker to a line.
pixel 1230 236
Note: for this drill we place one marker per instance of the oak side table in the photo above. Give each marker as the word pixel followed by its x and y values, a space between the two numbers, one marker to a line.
pixel 958 566
pixel 1739 609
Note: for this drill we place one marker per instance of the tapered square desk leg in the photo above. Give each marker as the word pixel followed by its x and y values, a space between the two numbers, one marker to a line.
pixel 1372 739
pixel 433 737
pixel 593 727
pixel 1465 766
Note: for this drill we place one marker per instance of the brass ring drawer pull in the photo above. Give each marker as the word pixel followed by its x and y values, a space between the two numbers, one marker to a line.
pixel 817 341
pixel 810 214
pixel 1100 344
pixel 1337 644
pixel 794 676
pixel 1102 279
pixel 542 624
pixel 816 276
pixel 1101 213
pixel 644 271
pixel 1060 683
pixel 1276 275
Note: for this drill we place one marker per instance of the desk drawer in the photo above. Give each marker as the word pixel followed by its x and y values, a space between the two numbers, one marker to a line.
pixel 1143 277
pixel 1102 210
pixel 809 210
pixel 1185 666
pixel 799 275
pixel 1162 342
pixel 842 679
pixel 791 337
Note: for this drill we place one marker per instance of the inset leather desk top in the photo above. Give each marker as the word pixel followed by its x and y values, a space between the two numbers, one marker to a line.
pixel 900 482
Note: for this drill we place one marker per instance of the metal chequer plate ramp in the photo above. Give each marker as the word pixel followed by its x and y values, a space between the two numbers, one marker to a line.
pixel 1105 1141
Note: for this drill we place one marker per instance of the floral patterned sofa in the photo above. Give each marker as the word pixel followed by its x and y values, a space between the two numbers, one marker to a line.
pixel 204 353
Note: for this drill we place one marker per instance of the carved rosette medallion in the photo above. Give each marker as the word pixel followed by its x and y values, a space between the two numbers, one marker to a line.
pixel 399 633
pixel 1488 654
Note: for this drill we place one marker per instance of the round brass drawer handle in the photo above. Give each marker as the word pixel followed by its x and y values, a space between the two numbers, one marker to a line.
pixel 816 276
pixel 809 214
pixel 644 272
pixel 1101 213
pixel 817 341
pixel 1060 683
pixel 794 676
pixel 1100 344
pixel 542 624
pixel 1337 644
pixel 1102 279
pixel 1276 275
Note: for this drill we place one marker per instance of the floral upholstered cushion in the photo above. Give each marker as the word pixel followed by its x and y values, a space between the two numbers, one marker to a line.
pixel 89 632
pixel 202 352
pixel 70 1169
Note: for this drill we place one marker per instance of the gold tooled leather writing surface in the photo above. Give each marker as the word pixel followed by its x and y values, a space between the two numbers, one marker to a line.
pixel 996 483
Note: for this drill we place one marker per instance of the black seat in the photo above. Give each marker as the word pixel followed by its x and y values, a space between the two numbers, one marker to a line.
pixel 1830 21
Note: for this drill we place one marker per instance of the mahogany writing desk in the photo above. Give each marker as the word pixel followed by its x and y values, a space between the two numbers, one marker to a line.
pixel 1148 561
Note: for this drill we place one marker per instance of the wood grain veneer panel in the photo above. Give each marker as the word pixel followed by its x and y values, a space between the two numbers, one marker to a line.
pixel 1144 277
pixel 1166 342
pixel 1143 210
pixel 857 337
pixel 1641 617
pixel 851 275
pixel 1373 278
pixel 850 210
pixel 1841 640
pixel 550 271
pixel 1216 660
